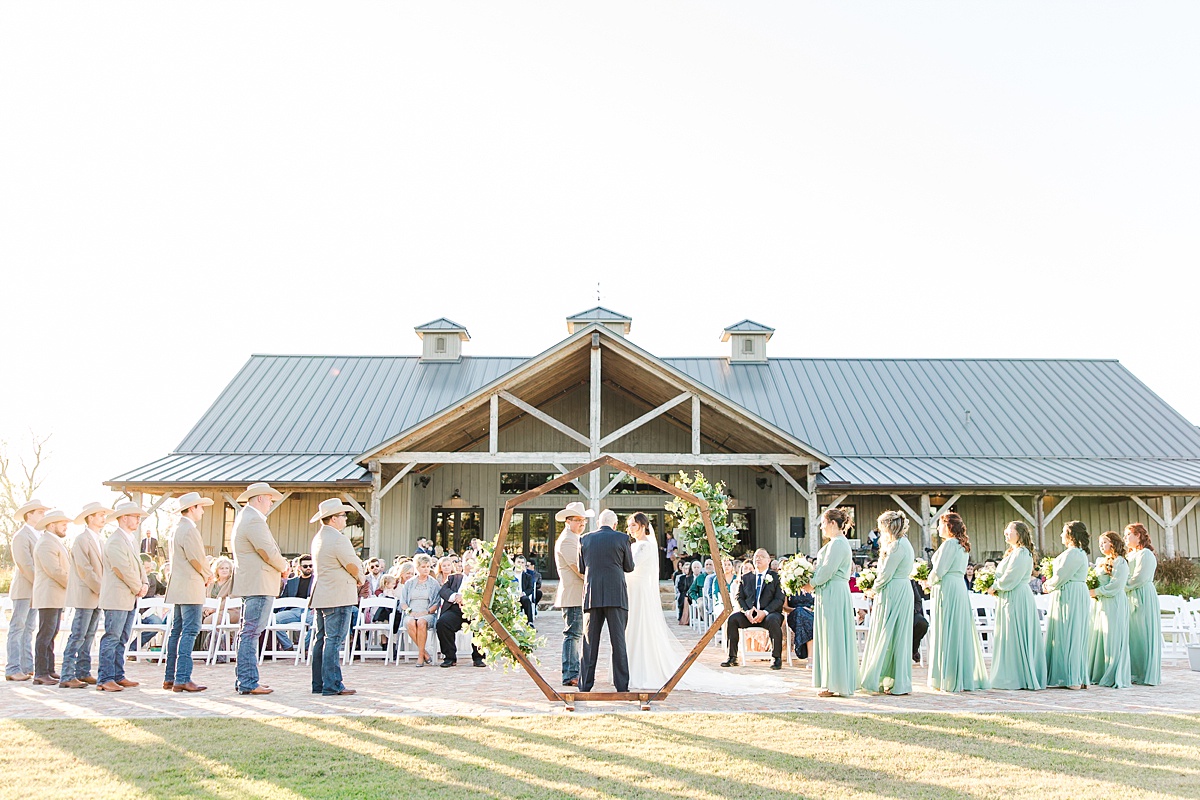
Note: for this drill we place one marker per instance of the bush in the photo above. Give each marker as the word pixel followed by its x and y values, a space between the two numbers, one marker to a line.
pixel 1188 591
pixel 1175 572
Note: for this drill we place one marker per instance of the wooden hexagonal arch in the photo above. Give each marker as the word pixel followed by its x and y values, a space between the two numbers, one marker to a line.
pixel 489 587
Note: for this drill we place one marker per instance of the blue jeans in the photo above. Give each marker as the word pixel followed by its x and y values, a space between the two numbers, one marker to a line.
pixel 289 616
pixel 117 627
pixel 572 637
pixel 20 638
pixel 185 627
pixel 256 615
pixel 77 655
pixel 331 627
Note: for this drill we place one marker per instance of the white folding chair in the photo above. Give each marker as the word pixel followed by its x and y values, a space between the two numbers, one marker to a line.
pixel 983 609
pixel 6 608
pixel 861 602
pixel 226 635
pixel 365 637
pixel 146 607
pixel 1192 610
pixel 754 644
pixel 296 631
pixel 203 647
pixel 1176 626
pixel 1042 601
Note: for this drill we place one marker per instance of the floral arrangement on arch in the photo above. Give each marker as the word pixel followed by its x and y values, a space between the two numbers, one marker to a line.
pixel 506 606
pixel 691 537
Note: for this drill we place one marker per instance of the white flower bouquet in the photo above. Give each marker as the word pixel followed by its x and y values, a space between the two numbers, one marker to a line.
pixel 984 579
pixel 866 580
pixel 921 569
pixel 794 574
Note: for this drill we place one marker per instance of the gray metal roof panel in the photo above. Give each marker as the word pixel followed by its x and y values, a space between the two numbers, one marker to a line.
pixel 196 468
pixel 440 324
pixel 748 326
pixel 599 314
pixel 1032 473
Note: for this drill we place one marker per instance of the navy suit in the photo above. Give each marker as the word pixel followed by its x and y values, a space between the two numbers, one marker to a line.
pixel 604 558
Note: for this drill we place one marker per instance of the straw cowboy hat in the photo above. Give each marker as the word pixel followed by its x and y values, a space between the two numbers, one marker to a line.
pixel 330 507
pixel 575 509
pixel 51 517
pixel 126 509
pixel 193 499
pixel 88 510
pixel 30 505
pixel 255 489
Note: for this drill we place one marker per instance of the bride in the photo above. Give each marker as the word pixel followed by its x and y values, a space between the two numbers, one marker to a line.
pixel 654 652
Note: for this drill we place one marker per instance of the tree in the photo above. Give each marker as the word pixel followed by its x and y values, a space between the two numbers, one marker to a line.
pixel 20 478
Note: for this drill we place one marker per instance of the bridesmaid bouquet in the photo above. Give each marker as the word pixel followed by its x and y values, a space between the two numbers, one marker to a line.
pixel 921 570
pixel 794 574
pixel 984 579
pixel 866 580
pixel 1093 579
pixel 1047 567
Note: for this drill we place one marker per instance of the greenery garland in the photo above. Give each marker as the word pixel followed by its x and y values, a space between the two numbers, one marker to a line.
pixel 691 538
pixel 506 606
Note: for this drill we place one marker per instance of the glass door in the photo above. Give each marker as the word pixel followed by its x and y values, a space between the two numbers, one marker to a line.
pixel 532 533
pixel 662 521
pixel 454 528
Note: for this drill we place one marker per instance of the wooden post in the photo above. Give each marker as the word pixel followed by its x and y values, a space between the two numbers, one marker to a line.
pixel 594 425
pixel 494 424
pixel 1169 528
pixel 695 425
pixel 814 515
pixel 376 494
pixel 1039 515
pixel 926 522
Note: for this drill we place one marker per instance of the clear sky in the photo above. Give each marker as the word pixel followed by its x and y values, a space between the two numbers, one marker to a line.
pixel 183 184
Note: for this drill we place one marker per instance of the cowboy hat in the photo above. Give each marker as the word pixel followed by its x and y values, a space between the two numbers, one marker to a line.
pixel 575 509
pixel 88 510
pixel 126 509
pixel 193 499
pixel 330 507
pixel 30 505
pixel 51 517
pixel 255 489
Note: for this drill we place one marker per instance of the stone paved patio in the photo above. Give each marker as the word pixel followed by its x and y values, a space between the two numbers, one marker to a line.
pixel 405 690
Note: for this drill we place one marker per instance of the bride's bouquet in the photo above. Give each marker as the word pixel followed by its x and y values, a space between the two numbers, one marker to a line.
pixel 921 569
pixel 866 581
pixel 794 574
pixel 984 579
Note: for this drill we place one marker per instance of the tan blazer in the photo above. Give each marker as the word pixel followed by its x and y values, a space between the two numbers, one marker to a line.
pixel 83 587
pixel 186 585
pixel 51 568
pixel 23 542
pixel 122 578
pixel 570 587
pixel 251 575
pixel 332 553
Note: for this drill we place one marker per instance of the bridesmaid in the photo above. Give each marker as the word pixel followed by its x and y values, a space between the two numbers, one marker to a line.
pixel 1108 644
pixel 1145 626
pixel 1019 655
pixel 887 663
pixel 955 652
pixel 835 660
pixel 1068 621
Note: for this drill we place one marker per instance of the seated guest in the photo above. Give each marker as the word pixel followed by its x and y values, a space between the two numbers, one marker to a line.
pixel 761 598
pixel 682 581
pixel 390 590
pixel 419 601
pixel 920 623
pixel 450 620
pixel 531 586
pixel 373 585
pixel 157 588
pixel 800 620
pixel 740 569
pixel 299 585
pixel 696 590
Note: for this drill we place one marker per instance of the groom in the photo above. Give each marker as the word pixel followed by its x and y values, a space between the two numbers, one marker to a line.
pixel 604 558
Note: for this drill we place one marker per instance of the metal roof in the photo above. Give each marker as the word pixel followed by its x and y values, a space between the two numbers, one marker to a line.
pixel 884 422
pixel 748 326
pixel 599 314
pixel 440 324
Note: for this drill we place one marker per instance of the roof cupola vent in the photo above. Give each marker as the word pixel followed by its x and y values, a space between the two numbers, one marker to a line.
pixel 749 340
pixel 441 340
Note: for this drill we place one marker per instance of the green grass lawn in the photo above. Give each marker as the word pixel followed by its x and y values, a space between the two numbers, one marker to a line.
pixel 694 756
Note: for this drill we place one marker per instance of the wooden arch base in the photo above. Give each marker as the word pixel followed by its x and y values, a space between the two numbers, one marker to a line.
pixel 489 589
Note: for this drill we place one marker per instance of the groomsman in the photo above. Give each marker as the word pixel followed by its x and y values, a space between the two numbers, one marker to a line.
pixel 120 587
pixel 334 596
pixel 258 569
pixel 20 626
pixel 83 596
pixel 51 567
pixel 190 576
pixel 569 597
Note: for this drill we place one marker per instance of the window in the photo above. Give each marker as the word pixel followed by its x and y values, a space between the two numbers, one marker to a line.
pixel 521 482
pixel 629 484
pixel 748 345
pixel 439 344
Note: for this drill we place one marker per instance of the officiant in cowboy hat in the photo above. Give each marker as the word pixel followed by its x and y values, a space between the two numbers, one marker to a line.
pixel 569 596
pixel 22 622
pixel 122 583
pixel 258 570
pixel 190 576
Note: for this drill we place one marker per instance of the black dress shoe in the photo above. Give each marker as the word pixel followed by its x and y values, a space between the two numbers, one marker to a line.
pixel 777 664
pixel 571 682
pixel 729 662
pixel 479 663
pixel 448 663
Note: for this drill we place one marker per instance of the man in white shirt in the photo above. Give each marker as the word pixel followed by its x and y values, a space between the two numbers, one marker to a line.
pixel 22 623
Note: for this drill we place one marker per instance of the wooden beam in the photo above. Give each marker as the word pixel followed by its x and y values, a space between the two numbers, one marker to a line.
pixel 538 414
pixel 594 417
pixel 907 509
pixel 927 534
pixel 1169 531
pixel 229 499
pixel 814 510
pixel 1020 510
pixel 611 485
pixel 837 501
pixel 1054 511
pixel 695 424
pixel 625 430
pixel 494 423
pixel 807 495
pixel 278 503
pixel 1186 510
pixel 357 507
pixel 582 457
pixel 399 476
pixel 575 482
pixel 374 500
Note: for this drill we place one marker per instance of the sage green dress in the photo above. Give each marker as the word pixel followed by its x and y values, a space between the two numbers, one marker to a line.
pixel 1019 654
pixel 1068 621
pixel 835 653
pixel 955 651
pixel 1145 625
pixel 887 662
pixel 1108 643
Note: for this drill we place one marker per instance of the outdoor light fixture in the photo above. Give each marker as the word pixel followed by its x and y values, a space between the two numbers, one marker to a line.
pixel 762 483
pixel 456 501
pixel 423 480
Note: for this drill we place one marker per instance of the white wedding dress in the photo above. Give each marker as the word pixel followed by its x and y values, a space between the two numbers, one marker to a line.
pixel 655 653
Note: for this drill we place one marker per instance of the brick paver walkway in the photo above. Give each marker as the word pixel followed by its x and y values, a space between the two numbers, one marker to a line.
pixel 465 691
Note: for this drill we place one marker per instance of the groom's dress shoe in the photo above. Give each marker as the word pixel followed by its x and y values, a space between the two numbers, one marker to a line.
pixel 777 664
pixel 571 682
pixel 729 662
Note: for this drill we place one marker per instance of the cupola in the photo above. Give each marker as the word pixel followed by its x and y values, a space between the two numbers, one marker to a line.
pixel 617 323
pixel 749 342
pixel 441 340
